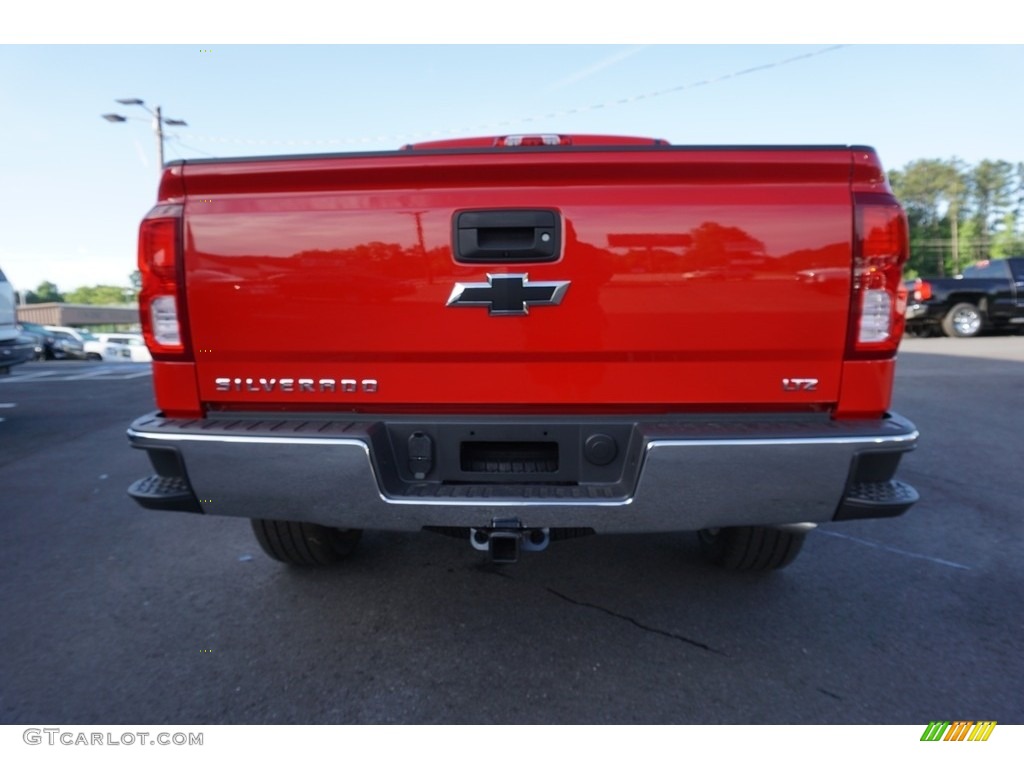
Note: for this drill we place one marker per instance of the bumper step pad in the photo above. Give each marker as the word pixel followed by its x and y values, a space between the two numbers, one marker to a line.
pixel 884 499
pixel 164 493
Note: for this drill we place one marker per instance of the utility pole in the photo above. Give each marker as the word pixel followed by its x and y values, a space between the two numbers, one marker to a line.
pixel 159 128
pixel 159 121
pixel 954 215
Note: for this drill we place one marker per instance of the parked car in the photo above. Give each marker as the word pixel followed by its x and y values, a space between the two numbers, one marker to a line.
pixel 117 347
pixel 15 347
pixel 68 343
pixel 42 340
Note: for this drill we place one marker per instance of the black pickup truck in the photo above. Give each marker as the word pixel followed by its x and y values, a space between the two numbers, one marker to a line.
pixel 988 295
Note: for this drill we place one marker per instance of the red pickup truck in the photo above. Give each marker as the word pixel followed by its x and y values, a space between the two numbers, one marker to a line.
pixel 527 338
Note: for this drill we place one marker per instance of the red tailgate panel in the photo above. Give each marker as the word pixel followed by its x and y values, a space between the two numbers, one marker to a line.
pixel 696 279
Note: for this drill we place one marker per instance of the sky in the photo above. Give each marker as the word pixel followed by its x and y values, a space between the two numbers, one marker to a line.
pixel 73 187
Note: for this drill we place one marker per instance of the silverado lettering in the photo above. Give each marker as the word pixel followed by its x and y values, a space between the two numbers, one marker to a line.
pixel 646 308
pixel 294 385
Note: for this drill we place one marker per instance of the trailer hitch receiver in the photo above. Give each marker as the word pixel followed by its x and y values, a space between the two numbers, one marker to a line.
pixel 504 539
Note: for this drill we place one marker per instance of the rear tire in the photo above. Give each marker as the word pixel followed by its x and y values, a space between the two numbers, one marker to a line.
pixel 963 321
pixel 304 544
pixel 750 548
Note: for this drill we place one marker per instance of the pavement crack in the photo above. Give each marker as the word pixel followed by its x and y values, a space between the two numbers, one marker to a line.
pixel 637 624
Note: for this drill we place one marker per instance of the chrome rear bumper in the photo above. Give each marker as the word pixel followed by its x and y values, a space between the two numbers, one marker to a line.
pixel 674 473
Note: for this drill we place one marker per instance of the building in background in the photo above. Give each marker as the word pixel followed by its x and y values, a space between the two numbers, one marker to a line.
pixel 124 318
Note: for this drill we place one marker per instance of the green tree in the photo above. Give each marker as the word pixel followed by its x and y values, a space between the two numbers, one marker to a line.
pixel 100 294
pixel 1007 240
pixel 1018 207
pixel 970 235
pixel 992 186
pixel 934 193
pixel 44 293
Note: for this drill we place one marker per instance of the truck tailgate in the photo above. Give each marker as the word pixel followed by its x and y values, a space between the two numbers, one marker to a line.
pixel 686 278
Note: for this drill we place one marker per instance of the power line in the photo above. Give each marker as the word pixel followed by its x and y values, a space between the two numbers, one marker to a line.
pixel 403 138
pixel 179 143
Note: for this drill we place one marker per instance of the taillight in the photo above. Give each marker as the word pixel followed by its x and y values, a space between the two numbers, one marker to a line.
pixel 879 303
pixel 922 290
pixel 161 299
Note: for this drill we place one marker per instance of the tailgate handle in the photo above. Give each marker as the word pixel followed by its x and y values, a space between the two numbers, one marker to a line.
pixel 506 236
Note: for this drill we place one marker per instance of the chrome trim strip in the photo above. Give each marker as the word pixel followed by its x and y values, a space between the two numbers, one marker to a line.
pixel 909 437
pixel 254 439
pixel 518 503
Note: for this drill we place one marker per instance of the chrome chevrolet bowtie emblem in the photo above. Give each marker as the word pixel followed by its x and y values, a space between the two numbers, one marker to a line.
pixel 507 294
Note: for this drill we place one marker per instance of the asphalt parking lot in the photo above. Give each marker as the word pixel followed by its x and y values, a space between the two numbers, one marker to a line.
pixel 113 614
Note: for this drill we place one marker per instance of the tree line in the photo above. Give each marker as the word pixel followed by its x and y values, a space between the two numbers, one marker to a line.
pixel 100 295
pixel 959 214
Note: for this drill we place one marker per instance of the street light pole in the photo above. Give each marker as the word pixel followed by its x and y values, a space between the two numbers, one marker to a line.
pixel 158 124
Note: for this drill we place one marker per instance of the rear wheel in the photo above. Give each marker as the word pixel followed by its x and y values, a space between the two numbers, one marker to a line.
pixel 751 548
pixel 305 543
pixel 963 320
